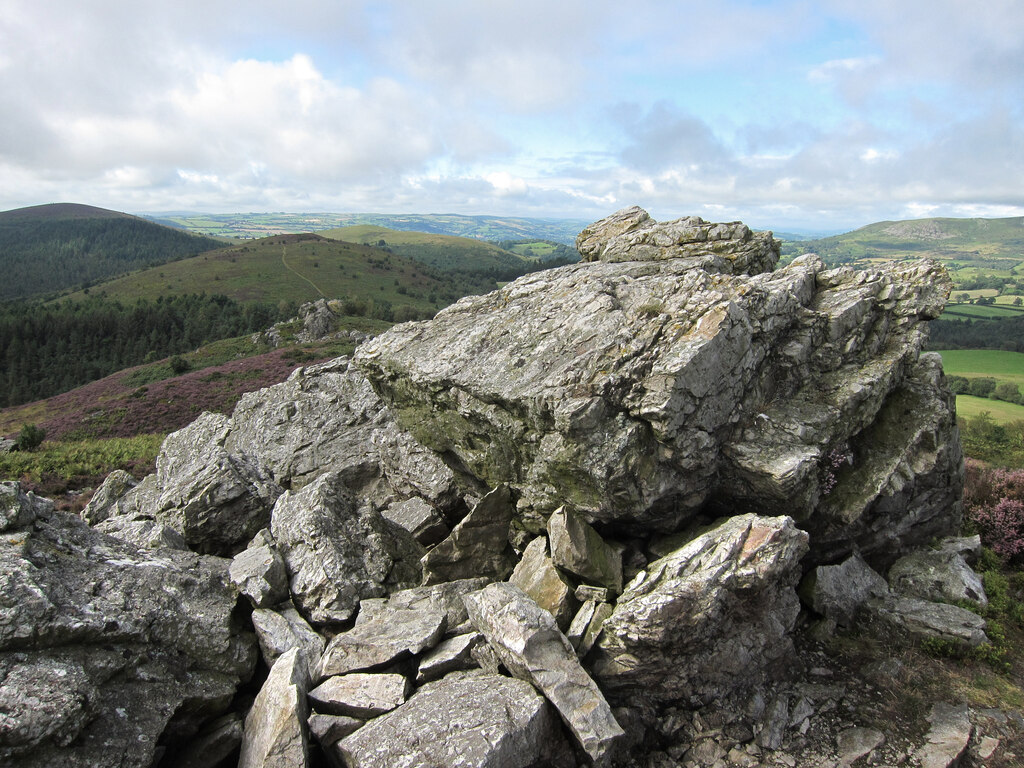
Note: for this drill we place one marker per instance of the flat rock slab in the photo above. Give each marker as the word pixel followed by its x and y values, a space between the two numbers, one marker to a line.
pixel 392 635
pixel 579 549
pixel 924 619
pixel 276 734
pixel 453 655
pixel 530 645
pixel 477 546
pixel 474 721
pixel 948 738
pixel 360 695
pixel 281 630
pixel 538 577
pixel 853 743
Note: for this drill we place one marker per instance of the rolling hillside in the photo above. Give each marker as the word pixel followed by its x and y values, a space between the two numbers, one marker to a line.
pixel 300 268
pixel 443 252
pixel 45 249
pixel 491 228
pixel 984 243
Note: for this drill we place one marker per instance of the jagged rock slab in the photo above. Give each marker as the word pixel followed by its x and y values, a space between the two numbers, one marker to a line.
pixel 276 734
pixel 328 729
pixel 360 694
pixel 478 721
pixel 389 637
pixel 632 235
pixel 419 518
pixel 326 418
pixel 478 546
pixel 538 577
pixel 338 552
pixel 923 619
pixel 103 502
pixel 579 549
pixel 853 743
pixel 101 644
pixel 259 573
pixel 948 738
pixel 443 598
pixel 838 591
pixel 217 500
pixel 707 619
pixel 633 391
pixel 283 628
pixel 530 645
pixel 941 575
pixel 453 655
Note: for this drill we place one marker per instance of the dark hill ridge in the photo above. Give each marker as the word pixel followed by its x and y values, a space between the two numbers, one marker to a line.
pixel 46 249
pixel 62 211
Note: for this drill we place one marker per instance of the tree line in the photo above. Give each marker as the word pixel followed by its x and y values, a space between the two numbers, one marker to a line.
pixel 1000 333
pixel 46 349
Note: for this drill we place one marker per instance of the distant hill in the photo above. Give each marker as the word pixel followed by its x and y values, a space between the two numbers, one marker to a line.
pixel 443 252
pixel 985 243
pixel 490 228
pixel 45 249
pixel 299 268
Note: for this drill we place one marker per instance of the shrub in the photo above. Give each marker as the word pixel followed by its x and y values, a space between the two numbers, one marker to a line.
pixel 994 500
pixel 983 386
pixel 958 385
pixel 1007 391
pixel 30 437
pixel 179 364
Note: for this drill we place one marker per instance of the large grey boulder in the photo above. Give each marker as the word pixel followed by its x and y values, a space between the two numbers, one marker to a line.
pixel 326 418
pixel 635 390
pixel 706 620
pixel 105 650
pixel 632 235
pixel 276 733
pixel 941 575
pixel 338 552
pixel 912 617
pixel 837 592
pixel 478 545
pixel 948 737
pixel 445 598
pixel 18 508
pixel 487 721
pixel 216 499
pixel 579 549
pixel 530 645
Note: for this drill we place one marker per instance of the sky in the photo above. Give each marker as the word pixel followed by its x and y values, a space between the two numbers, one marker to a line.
pixel 792 115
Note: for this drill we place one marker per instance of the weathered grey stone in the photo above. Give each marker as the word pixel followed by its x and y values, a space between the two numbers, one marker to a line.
pixel 383 640
pixel 327 729
pixel 948 738
pixel 580 622
pixel 276 734
pixel 326 418
pixel 419 518
pixel 632 235
pixel 538 577
pixel 453 655
pixel 259 573
pixel 853 743
pixel 18 508
pixel 602 612
pixel 707 619
pixel 923 619
pixel 104 500
pixel 532 648
pixel 445 598
pixel 478 545
pixel 487 721
pixel 937 575
pixel 579 549
pixel 634 391
pixel 773 724
pixel 282 629
pixel 968 547
pixel 838 591
pixel 217 500
pixel 337 552
pixel 101 645
pixel 587 592
pixel 360 694
pixel 142 533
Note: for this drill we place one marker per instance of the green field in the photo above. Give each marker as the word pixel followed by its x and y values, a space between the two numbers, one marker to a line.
pixel 973 311
pixel 1001 412
pixel 1000 365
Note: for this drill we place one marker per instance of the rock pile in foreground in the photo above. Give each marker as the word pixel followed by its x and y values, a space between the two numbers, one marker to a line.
pixel 568 523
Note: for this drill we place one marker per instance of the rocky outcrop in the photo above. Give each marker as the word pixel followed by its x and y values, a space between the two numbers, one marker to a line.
pixel 642 391
pixel 706 619
pixel 338 552
pixel 107 652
